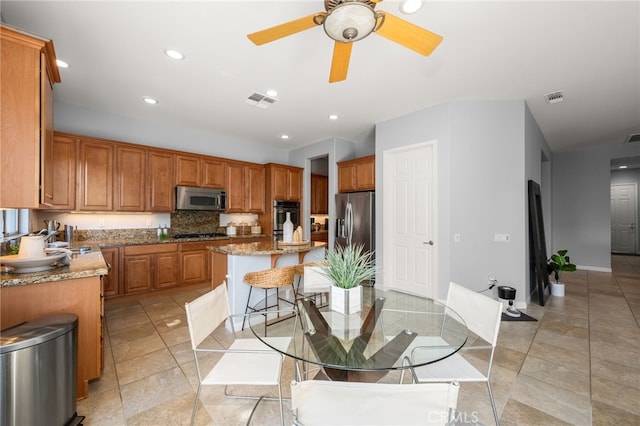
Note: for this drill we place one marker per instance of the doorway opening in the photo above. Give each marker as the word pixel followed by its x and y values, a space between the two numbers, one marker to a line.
pixel 624 180
pixel 320 199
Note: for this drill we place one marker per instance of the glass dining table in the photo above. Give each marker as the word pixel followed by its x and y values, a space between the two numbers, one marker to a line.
pixel 393 331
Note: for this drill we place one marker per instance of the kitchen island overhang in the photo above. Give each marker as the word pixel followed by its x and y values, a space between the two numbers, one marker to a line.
pixel 232 261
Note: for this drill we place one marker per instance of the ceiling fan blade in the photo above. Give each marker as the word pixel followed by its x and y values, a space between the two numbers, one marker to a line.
pixel 409 35
pixel 283 30
pixel 340 61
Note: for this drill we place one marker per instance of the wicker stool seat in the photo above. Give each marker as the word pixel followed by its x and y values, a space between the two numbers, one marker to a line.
pixel 269 279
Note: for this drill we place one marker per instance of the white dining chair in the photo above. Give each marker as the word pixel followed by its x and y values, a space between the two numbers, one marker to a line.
pixel 324 403
pixel 482 316
pixel 245 362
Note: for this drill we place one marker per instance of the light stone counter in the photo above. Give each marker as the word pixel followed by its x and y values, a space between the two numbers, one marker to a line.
pixel 266 248
pixel 86 265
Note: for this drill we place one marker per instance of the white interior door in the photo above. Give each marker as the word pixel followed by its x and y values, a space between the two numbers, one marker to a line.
pixel 623 218
pixel 410 244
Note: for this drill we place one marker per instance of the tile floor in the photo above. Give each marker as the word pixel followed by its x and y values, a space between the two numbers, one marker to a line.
pixel 579 364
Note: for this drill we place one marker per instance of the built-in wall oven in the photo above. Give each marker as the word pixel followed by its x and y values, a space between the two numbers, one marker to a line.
pixel 280 210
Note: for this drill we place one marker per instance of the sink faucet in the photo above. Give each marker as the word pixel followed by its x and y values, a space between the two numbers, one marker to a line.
pixel 48 236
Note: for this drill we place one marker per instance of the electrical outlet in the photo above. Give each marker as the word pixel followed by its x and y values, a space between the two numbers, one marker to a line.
pixel 148 223
pixel 502 238
pixel 456 238
pixel 101 223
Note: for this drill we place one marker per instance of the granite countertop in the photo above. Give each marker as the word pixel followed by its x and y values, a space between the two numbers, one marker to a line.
pixel 146 241
pixel 265 248
pixel 85 265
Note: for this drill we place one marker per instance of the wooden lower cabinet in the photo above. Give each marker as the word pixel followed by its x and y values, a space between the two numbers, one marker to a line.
pixel 195 262
pixel 111 282
pixel 149 267
pixel 79 296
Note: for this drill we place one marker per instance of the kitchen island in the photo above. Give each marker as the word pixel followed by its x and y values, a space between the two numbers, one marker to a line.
pixel 232 261
pixel 74 288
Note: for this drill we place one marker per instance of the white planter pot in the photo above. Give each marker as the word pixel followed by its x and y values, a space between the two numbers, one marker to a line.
pixel 345 301
pixel 557 289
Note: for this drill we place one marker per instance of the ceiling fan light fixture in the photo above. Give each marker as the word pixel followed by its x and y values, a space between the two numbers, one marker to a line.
pixel 410 6
pixel 351 21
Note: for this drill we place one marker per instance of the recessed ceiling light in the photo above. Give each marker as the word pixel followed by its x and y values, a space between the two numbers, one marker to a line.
pixel 622 167
pixel 333 116
pixel 410 6
pixel 62 64
pixel 284 137
pixel 150 100
pixel 272 92
pixel 174 54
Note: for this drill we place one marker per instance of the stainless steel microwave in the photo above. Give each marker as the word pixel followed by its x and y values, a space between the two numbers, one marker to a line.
pixel 192 198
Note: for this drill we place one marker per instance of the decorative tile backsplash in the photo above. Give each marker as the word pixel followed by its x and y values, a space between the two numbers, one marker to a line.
pixel 182 222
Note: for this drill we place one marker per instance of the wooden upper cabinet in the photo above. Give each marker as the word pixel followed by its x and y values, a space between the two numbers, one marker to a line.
pixel 27 72
pixel 63 167
pixel 47 167
pixel 319 194
pixel 284 183
pixel 188 170
pixel 160 193
pixel 200 171
pixel 245 187
pixel 235 187
pixel 213 173
pixel 357 175
pixel 254 188
pixel 130 179
pixel 96 175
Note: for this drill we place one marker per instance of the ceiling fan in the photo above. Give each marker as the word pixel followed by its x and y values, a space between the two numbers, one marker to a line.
pixel 347 21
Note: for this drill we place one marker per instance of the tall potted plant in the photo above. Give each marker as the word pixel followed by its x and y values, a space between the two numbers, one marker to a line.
pixel 347 267
pixel 557 264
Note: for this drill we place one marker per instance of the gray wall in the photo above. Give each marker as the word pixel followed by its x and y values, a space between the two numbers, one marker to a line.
pixel 482 172
pixel 82 121
pixel 581 203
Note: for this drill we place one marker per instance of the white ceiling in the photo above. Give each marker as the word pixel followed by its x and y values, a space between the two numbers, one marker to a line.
pixel 491 50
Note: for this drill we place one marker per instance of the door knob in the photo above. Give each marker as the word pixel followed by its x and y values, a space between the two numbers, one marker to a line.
pixel 428 242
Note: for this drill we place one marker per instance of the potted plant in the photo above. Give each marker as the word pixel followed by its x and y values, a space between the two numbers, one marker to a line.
pixel 346 268
pixel 557 264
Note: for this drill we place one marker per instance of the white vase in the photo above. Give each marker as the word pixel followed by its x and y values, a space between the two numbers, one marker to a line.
pixel 557 289
pixel 287 229
pixel 347 301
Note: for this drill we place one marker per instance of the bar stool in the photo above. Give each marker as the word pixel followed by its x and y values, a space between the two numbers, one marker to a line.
pixel 268 279
pixel 299 270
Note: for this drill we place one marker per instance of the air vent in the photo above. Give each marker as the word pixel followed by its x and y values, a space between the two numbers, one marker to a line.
pixel 634 138
pixel 260 101
pixel 554 97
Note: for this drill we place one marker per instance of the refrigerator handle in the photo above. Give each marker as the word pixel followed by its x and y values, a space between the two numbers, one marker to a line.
pixel 340 228
pixel 349 215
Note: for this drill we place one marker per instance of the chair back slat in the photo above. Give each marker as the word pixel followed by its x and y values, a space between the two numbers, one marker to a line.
pixel 317 402
pixel 481 313
pixel 206 313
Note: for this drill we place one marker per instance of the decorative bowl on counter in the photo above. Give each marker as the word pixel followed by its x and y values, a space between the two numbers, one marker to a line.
pixel 23 265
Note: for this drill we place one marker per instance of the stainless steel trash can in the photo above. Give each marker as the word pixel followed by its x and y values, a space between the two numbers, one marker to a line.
pixel 38 371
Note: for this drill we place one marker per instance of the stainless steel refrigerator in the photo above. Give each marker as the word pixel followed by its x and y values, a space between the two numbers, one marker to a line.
pixel 355 223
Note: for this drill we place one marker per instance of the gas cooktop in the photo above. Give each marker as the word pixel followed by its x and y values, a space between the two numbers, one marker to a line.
pixel 201 235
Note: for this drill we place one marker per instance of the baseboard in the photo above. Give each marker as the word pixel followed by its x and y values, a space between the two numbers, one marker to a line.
pixel 593 268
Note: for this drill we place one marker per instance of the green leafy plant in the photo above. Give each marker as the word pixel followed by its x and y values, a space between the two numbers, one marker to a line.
pixel 559 263
pixel 348 266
